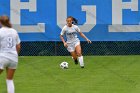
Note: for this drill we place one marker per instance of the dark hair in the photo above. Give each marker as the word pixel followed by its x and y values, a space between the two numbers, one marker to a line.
pixel 5 21
pixel 74 20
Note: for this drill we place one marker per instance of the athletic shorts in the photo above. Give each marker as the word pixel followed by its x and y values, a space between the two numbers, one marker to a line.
pixel 7 63
pixel 71 46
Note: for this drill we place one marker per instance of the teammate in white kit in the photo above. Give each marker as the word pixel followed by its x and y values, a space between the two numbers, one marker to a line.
pixel 73 43
pixel 9 49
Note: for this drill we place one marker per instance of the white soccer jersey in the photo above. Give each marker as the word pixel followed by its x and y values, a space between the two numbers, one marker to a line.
pixel 8 40
pixel 71 33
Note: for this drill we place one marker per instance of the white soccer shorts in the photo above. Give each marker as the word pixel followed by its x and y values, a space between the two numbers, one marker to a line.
pixel 71 46
pixel 7 63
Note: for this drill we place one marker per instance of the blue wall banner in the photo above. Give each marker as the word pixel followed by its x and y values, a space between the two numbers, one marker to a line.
pixel 100 20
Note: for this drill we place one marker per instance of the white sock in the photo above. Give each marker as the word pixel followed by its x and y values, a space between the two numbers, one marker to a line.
pixel 10 86
pixel 81 61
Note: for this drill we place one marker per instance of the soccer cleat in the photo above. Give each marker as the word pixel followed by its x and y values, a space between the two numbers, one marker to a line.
pixel 76 62
pixel 82 67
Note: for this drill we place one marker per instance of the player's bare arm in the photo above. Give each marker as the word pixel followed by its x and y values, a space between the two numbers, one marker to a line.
pixel 64 42
pixel 82 35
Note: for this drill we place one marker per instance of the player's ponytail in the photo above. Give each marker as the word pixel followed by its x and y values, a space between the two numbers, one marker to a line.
pixel 5 21
pixel 75 21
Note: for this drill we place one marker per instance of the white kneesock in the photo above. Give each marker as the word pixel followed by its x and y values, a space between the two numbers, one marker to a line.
pixel 10 86
pixel 81 61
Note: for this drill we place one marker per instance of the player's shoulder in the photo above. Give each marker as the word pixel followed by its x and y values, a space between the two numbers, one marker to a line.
pixel 13 30
pixel 0 30
pixel 7 28
pixel 75 26
pixel 65 27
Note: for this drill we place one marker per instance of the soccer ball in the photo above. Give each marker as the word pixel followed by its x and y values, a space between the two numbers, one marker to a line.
pixel 64 65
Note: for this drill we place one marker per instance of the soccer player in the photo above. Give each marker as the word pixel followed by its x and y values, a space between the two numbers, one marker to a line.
pixel 73 43
pixel 9 49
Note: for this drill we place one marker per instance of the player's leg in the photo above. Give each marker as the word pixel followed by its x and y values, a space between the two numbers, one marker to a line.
pixel 79 54
pixel 9 80
pixel 1 71
pixel 71 49
pixel 74 56
pixel 10 74
pixel 1 67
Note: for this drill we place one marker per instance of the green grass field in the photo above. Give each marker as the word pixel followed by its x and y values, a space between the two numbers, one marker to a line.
pixel 102 74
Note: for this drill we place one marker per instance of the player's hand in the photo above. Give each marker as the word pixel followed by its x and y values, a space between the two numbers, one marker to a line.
pixel 89 41
pixel 65 45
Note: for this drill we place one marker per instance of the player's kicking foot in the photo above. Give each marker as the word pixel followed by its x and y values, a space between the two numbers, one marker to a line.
pixel 75 61
pixel 82 67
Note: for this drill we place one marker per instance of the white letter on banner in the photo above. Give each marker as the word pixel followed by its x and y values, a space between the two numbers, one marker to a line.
pixel 15 7
pixel 90 15
pixel 117 7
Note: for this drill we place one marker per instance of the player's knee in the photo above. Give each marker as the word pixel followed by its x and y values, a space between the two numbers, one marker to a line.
pixel 79 53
